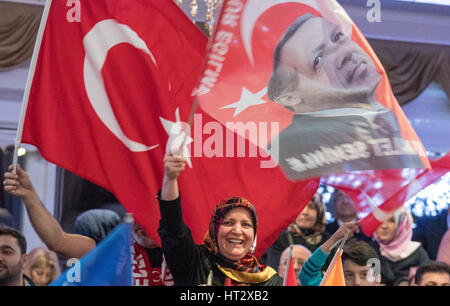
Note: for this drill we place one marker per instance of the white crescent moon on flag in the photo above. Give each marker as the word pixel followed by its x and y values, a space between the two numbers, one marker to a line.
pixel 255 8
pixel 97 43
pixel 378 213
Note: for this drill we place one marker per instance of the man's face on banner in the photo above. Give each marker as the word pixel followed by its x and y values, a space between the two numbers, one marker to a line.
pixel 325 58
pixel 319 50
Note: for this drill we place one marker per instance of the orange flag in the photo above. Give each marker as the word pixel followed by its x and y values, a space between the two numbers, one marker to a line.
pixel 335 272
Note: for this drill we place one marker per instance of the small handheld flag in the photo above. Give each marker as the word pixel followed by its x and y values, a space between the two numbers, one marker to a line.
pixel 289 274
pixel 335 272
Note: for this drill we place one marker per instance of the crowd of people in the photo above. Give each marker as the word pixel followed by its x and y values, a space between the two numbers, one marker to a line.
pixel 396 255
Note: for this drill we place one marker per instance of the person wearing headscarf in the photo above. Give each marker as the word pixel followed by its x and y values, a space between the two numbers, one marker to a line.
pixel 149 268
pixel 308 230
pixel 398 253
pixel 96 223
pixel 226 256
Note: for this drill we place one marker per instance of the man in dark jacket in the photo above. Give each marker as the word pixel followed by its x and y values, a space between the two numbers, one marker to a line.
pixel 344 211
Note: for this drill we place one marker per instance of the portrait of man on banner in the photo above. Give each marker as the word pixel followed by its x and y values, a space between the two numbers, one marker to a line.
pixel 305 66
pixel 329 82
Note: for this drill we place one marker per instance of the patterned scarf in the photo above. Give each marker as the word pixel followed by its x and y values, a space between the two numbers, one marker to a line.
pixel 312 235
pixel 248 269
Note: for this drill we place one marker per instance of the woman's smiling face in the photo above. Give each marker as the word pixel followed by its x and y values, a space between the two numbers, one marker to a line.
pixel 386 231
pixel 236 234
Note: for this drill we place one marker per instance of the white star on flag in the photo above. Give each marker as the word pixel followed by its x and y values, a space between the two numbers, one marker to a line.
pixel 247 99
pixel 177 136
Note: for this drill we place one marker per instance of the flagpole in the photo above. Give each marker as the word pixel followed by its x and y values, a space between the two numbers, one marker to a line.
pixel 291 252
pixel 195 101
pixel 128 218
pixel 37 46
pixel 341 241
pixel 190 119
pixel 344 240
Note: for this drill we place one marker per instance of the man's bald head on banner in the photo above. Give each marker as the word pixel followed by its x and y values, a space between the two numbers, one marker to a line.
pixel 317 67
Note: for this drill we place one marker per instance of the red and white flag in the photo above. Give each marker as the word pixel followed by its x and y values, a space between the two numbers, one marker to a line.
pixel 107 72
pixel 112 91
pixel 377 194
pixel 304 69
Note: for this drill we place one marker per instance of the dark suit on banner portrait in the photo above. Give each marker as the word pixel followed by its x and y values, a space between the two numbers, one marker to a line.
pixel 333 142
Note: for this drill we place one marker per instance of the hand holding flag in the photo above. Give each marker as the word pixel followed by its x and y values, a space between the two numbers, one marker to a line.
pixel 334 276
pixel 345 231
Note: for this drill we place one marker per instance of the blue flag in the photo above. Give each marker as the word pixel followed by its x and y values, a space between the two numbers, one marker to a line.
pixel 109 264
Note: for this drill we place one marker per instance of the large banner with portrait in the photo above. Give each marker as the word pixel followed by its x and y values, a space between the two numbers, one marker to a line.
pixel 303 75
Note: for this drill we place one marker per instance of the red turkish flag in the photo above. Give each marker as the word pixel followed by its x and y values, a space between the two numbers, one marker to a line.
pixel 378 193
pixel 112 91
pixel 304 67
pixel 111 133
